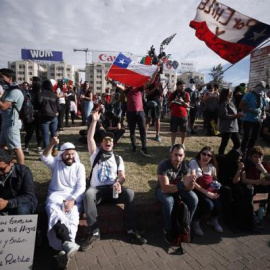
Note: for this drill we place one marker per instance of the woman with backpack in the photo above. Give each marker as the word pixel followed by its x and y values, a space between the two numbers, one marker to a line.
pixel 49 112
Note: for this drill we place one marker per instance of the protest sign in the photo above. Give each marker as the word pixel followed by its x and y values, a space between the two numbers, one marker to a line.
pixel 17 241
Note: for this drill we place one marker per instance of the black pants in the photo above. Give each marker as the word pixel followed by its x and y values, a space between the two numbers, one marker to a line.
pixel 67 111
pixel 251 132
pixel 30 128
pixel 61 115
pixel 225 137
pixel 117 134
pixel 134 118
pixel 209 116
pixel 94 196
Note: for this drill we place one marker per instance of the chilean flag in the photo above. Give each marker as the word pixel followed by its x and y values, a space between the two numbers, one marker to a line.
pixel 227 32
pixel 128 72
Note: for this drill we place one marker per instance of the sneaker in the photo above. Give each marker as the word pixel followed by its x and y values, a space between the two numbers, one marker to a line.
pixel 214 223
pixel 40 151
pixel 145 153
pixel 54 152
pixel 168 237
pixel 70 248
pixel 26 151
pixel 197 228
pixel 136 238
pixel 87 244
pixel 62 260
pixel 193 132
pixel 158 138
pixel 134 149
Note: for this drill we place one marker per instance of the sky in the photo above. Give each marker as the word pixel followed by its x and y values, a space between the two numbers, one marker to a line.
pixel 115 25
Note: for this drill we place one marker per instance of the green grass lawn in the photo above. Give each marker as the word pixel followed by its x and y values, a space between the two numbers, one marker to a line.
pixel 140 170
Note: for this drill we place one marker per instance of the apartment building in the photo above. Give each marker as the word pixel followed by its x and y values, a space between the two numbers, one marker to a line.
pixel 26 69
pixel 96 73
pixel 196 76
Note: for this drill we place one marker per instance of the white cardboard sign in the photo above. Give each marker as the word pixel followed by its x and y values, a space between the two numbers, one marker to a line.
pixel 17 241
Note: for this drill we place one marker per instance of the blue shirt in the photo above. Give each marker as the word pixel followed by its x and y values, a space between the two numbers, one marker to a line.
pixel 251 101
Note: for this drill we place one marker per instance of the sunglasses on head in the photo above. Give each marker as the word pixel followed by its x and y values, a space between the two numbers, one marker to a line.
pixel 206 154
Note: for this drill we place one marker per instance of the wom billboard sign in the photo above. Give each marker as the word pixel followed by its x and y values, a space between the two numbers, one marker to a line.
pixel 43 55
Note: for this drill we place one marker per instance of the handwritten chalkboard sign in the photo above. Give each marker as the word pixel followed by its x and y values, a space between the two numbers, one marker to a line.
pixel 17 241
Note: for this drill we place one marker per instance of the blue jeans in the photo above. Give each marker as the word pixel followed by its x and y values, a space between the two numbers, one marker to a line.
pixel 167 200
pixel 48 125
pixel 22 209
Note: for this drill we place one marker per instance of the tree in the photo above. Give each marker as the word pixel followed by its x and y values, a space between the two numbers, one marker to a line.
pixel 217 74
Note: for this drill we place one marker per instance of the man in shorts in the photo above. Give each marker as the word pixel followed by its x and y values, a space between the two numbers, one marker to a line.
pixel 10 105
pixel 179 102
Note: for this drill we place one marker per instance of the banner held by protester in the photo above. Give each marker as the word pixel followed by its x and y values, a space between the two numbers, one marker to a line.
pixel 227 32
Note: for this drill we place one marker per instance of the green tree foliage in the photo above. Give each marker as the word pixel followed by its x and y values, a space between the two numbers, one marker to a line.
pixel 217 74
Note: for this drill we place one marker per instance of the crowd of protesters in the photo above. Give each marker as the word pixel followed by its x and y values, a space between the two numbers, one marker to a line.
pixel 215 186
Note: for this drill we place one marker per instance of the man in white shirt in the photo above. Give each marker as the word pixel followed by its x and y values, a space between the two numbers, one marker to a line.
pixel 64 201
pixel 107 177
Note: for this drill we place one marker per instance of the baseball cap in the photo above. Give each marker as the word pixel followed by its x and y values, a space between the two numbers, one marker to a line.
pixel 107 135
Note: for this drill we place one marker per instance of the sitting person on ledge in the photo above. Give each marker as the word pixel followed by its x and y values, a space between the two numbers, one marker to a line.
pixel 106 185
pixel 17 194
pixel 64 201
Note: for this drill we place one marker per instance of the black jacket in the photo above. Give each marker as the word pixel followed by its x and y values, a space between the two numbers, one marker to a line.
pixel 21 185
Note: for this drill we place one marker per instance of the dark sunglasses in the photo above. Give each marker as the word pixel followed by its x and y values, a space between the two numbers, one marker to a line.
pixel 206 154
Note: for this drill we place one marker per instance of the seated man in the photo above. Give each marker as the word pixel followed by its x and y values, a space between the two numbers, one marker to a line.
pixel 112 124
pixel 64 199
pixel 174 180
pixel 17 195
pixel 107 177
pixel 256 178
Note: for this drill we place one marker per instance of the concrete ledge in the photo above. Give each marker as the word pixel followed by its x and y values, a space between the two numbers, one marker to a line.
pixel 111 217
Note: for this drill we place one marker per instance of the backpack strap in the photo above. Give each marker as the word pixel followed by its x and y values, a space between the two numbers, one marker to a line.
pixel 96 160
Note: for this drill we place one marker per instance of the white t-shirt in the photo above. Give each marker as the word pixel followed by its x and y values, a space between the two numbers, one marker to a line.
pixel 105 173
pixel 193 165
pixel 61 99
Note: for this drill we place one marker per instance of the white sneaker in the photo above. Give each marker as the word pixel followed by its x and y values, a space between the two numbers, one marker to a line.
pixel 70 248
pixel 214 223
pixel 40 151
pixel 197 228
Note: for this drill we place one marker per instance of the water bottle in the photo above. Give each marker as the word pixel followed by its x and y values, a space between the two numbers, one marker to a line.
pixel 115 193
pixel 261 212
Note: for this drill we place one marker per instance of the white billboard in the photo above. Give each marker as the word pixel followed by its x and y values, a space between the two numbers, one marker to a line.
pixel 109 57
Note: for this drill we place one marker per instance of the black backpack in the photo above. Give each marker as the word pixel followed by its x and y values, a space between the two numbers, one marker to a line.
pixel 49 104
pixel 27 111
pixel 180 224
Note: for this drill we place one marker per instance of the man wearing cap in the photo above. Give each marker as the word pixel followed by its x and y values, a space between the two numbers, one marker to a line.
pixel 106 178
pixel 253 106
pixel 64 201
pixel 10 105
pixel 179 102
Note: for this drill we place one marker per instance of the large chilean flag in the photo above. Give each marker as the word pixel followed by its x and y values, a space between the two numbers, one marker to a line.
pixel 227 32
pixel 128 72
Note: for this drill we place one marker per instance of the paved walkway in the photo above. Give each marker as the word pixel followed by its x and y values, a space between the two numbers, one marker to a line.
pixel 213 251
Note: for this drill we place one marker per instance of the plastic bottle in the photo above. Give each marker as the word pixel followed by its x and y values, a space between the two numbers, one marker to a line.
pixel 261 212
pixel 115 193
